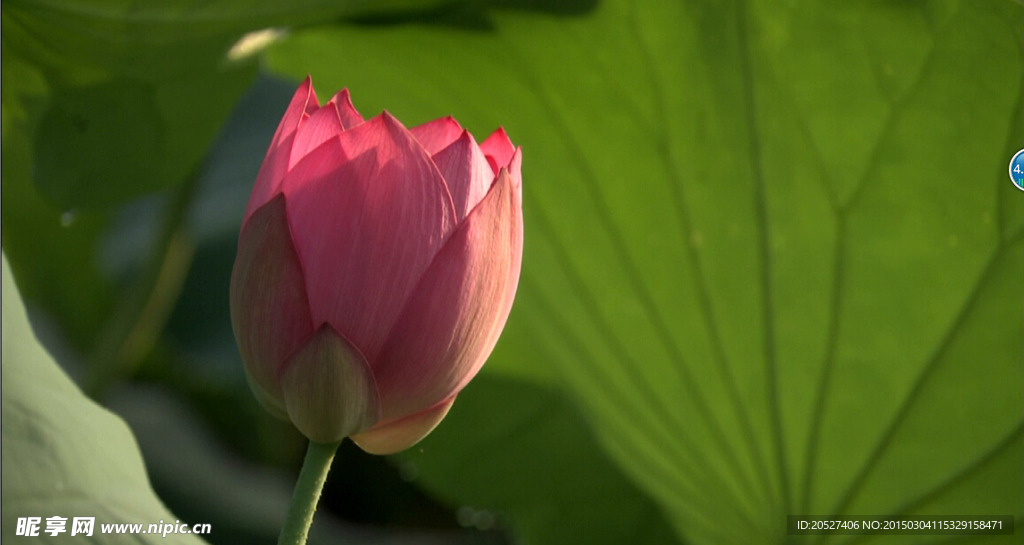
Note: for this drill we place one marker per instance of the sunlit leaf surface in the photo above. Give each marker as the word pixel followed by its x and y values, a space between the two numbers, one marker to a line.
pixel 771 249
pixel 533 467
pixel 63 455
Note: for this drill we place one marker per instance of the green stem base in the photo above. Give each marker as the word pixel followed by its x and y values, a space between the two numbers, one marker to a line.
pixel 307 493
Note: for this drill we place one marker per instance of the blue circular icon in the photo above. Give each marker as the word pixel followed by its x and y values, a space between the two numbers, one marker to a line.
pixel 1017 170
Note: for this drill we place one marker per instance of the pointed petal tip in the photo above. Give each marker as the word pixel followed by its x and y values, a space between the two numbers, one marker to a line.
pixel 515 164
pixel 278 157
pixel 305 86
pixel 466 139
pixel 345 109
pixel 306 91
pixel 324 124
pixel 466 172
pixel 498 149
pixel 385 120
pixel 387 123
pixel 342 97
pixel 390 119
pixel 397 129
pixel 508 176
pixel 447 121
pixel 437 134
pixel 500 135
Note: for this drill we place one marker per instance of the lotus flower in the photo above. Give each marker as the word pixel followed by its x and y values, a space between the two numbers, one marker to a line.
pixel 376 268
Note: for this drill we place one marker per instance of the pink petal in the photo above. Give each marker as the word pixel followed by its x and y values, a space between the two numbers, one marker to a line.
pixel 328 388
pixel 437 134
pixel 498 149
pixel 275 163
pixel 368 211
pixel 269 307
pixel 466 172
pixel 517 255
pixel 452 322
pixel 501 153
pixel 325 123
pixel 515 171
pixel 346 110
pixel 402 434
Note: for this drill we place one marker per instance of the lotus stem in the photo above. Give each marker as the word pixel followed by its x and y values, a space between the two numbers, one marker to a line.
pixel 307 493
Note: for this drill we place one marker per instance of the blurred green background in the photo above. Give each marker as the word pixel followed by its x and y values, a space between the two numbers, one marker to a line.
pixel 772 265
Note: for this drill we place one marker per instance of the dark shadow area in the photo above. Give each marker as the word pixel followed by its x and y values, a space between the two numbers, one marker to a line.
pixel 476 14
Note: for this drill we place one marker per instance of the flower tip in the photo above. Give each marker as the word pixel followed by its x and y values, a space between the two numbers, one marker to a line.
pixel 342 97
pixel 467 137
pixel 347 112
pixel 306 87
pixel 515 166
pixel 504 176
pixel 500 141
pixel 501 134
pixel 306 96
pixel 391 121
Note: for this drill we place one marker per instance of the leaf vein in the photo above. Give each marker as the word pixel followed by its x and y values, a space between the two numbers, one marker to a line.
pixel 915 391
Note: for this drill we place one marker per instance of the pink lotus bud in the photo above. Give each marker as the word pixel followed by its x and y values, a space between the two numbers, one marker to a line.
pixel 376 268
